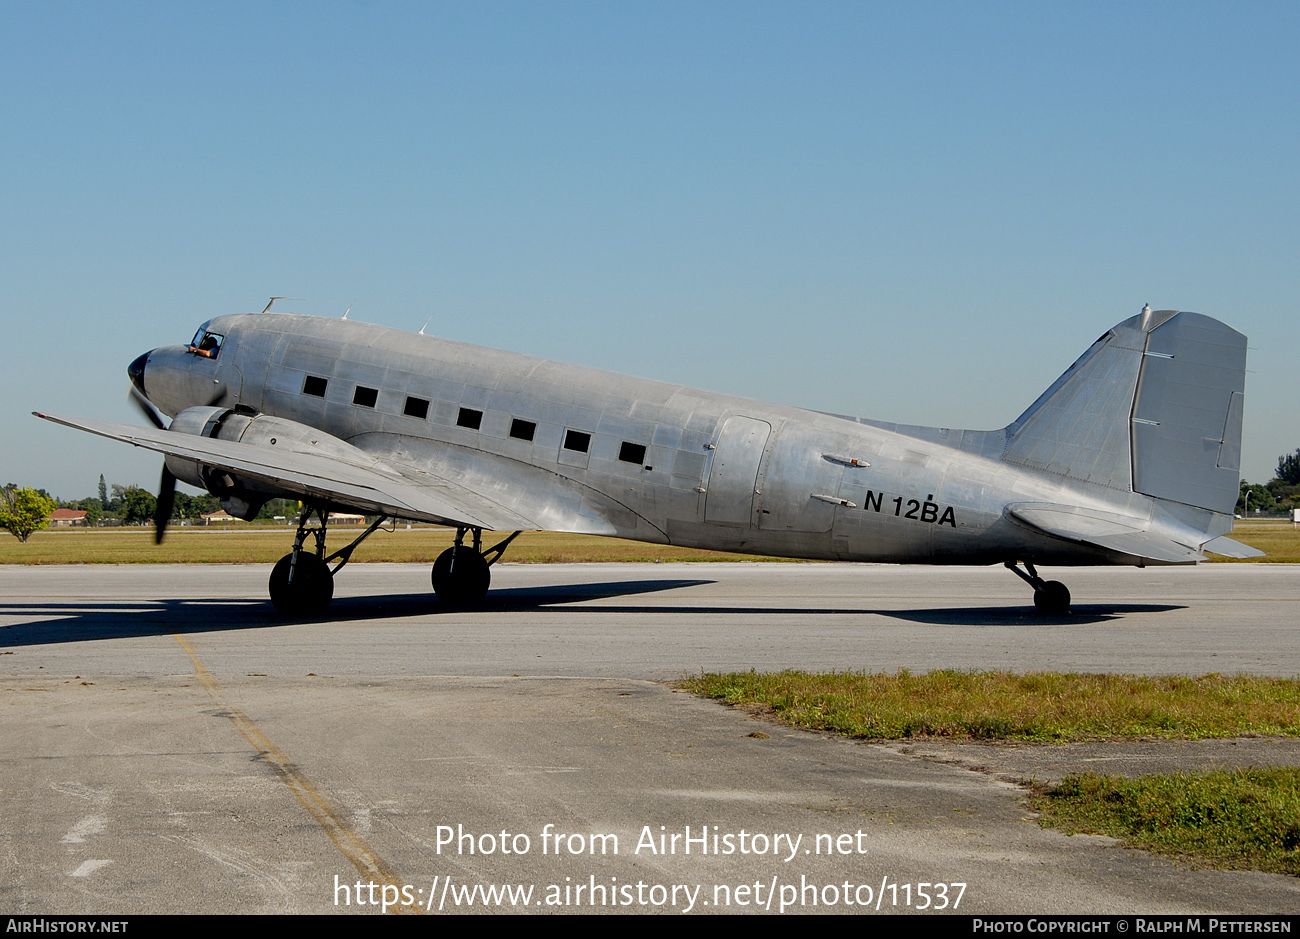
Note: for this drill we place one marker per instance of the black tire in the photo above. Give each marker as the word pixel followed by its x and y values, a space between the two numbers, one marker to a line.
pixel 461 577
pixel 310 593
pixel 1053 599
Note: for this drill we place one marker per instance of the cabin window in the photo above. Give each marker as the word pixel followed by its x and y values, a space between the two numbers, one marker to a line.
pixel 416 407
pixel 468 417
pixel 365 397
pixel 632 452
pixel 577 440
pixel 523 430
pixel 314 385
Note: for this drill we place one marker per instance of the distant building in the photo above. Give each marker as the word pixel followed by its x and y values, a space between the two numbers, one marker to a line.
pixel 67 518
pixel 220 515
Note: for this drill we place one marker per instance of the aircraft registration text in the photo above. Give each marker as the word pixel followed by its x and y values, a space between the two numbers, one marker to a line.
pixel 921 511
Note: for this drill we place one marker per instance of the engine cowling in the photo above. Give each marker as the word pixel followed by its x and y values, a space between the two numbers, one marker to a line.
pixel 244 498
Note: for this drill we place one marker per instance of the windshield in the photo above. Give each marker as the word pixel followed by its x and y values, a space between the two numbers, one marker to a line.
pixel 205 343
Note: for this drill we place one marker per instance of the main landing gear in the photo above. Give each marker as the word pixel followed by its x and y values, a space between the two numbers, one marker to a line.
pixel 302 584
pixel 1051 597
pixel 461 574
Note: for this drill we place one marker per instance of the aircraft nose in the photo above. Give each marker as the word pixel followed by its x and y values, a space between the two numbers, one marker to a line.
pixel 136 371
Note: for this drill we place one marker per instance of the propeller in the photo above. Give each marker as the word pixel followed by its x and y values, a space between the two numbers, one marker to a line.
pixel 147 409
pixel 166 501
pixel 167 485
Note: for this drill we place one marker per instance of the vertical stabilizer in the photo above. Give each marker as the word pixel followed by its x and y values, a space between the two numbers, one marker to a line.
pixel 1154 406
pixel 1079 427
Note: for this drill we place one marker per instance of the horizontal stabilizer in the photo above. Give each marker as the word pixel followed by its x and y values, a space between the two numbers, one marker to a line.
pixel 1121 533
pixel 1231 549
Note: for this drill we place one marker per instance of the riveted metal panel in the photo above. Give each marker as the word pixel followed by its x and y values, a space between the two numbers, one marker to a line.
pixel 799 470
pixel 735 469
pixel 1079 428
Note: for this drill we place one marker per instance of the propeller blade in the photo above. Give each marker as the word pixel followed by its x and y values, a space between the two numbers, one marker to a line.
pixel 166 500
pixel 147 409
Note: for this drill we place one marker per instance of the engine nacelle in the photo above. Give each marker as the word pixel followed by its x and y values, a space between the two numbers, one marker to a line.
pixel 198 422
pixel 244 498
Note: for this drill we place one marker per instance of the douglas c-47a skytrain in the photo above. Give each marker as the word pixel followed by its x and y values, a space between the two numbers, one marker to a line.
pixel 1130 457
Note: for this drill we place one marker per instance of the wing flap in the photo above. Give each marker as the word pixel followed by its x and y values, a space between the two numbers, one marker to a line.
pixel 376 488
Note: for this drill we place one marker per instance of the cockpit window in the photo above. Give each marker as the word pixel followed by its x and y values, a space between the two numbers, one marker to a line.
pixel 206 344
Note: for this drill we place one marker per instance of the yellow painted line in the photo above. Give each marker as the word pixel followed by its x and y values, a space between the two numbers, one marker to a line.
pixel 354 847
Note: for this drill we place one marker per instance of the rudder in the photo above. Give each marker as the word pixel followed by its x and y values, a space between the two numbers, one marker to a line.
pixel 1187 413
pixel 1154 406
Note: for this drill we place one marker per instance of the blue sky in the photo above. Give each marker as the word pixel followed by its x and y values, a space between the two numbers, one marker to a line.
pixel 916 212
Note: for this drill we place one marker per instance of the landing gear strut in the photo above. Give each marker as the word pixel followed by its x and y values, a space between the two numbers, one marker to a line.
pixel 302 584
pixel 461 574
pixel 1051 597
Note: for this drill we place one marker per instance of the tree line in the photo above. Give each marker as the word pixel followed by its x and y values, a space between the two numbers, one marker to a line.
pixel 1281 494
pixel 134 505
pixel 24 511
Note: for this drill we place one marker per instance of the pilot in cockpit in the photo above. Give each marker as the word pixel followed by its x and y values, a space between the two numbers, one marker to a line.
pixel 206 344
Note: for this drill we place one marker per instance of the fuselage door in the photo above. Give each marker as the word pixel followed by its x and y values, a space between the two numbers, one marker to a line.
pixel 732 478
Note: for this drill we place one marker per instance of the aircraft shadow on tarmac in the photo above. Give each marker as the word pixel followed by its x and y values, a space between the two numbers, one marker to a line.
pixel 60 621
pixel 57 621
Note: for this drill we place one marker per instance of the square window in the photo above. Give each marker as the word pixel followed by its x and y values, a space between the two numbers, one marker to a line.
pixel 577 440
pixel 314 386
pixel 470 418
pixel 365 397
pixel 416 407
pixel 523 430
pixel 632 452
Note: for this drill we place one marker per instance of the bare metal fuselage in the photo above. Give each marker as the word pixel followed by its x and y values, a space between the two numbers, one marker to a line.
pixel 717 471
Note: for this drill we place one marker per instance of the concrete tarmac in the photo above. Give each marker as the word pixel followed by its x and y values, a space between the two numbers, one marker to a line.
pixel 171 746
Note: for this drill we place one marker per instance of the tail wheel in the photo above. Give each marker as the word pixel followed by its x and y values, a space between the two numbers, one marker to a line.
pixel 1052 599
pixel 312 588
pixel 461 576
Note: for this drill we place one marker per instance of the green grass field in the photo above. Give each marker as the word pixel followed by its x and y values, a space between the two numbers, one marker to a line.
pixel 247 544
pixel 1245 819
pixel 1048 706
pixel 1280 540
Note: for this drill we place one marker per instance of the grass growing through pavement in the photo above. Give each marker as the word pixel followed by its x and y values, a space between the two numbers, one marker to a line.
pixel 1045 706
pixel 1236 819
pixel 1245 819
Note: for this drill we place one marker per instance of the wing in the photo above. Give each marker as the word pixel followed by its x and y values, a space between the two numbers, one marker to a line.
pixel 367 484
